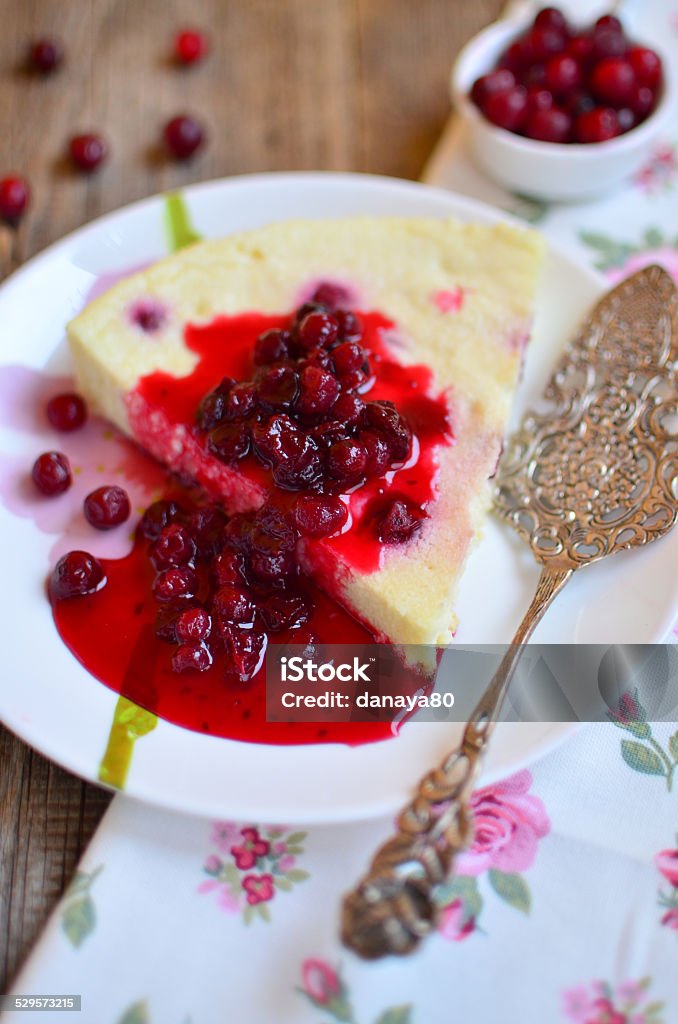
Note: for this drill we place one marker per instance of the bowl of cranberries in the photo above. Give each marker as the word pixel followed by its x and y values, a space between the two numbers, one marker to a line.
pixel 560 110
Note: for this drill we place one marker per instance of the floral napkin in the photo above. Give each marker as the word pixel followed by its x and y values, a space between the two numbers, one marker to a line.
pixel 566 907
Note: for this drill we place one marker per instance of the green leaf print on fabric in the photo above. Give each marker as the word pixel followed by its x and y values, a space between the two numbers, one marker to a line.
pixel 78 917
pixel 137 1013
pixel 641 758
pixel 513 889
pixel 327 991
pixel 649 757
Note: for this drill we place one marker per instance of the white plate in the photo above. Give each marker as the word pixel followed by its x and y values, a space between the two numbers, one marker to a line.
pixel 49 700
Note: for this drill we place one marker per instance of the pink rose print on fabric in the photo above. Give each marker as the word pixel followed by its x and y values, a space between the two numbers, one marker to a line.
pixel 667 896
pixel 660 173
pixel 598 1002
pixel 250 866
pixel 327 991
pixel 618 259
pixel 509 824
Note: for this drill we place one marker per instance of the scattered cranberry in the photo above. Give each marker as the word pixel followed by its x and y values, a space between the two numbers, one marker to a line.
pixel 242 401
pixel 226 567
pixel 66 412
pixel 190 46
pixel 229 442
pixel 75 574
pixel 246 649
pixel 193 625
pixel 192 657
pixel 174 547
pixel 206 526
pixel 349 409
pixel 278 387
pixel 346 462
pixel 15 196
pixel 331 295
pixel 597 125
pixel 318 392
pixel 87 151
pixel 45 55
pixel 149 315
pixel 386 420
pixel 52 473
pixel 350 327
pixel 213 408
pixel 156 517
pixel 184 136
pixel 399 522
pixel 271 347
pixel 107 507
pixel 284 612
pixel 320 516
pixel 233 604
pixel 176 584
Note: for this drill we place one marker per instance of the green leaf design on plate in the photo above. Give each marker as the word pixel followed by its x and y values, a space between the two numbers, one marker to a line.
pixel 180 230
pixel 296 875
pixel 673 746
pixel 130 722
pixel 295 837
pixel 78 920
pixel 263 911
pixel 641 758
pixel 396 1015
pixel 513 889
pixel 248 913
pixel 137 1013
pixel 282 884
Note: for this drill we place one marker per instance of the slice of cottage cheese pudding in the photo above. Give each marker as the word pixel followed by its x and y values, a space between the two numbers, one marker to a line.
pixel 357 374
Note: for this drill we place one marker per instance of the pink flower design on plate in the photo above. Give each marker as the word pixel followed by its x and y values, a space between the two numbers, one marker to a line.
pixel 320 982
pixel 224 834
pixel 670 919
pixel 509 822
pixel 247 854
pixel 452 925
pixel 667 862
pixel 259 888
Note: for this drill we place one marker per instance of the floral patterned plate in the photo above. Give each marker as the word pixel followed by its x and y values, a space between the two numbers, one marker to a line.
pixel 48 699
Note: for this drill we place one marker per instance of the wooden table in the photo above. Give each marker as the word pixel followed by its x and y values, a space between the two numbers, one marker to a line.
pixel 290 84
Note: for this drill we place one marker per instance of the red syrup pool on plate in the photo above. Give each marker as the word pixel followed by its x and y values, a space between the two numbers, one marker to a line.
pixel 120 633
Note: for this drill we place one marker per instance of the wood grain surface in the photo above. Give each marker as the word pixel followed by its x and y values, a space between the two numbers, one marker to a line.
pixel 290 84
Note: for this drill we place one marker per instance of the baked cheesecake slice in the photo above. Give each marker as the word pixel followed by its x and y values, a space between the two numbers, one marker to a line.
pixel 358 373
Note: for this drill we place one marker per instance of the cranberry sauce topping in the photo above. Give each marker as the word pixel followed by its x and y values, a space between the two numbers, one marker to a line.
pixel 181 625
pixel 307 407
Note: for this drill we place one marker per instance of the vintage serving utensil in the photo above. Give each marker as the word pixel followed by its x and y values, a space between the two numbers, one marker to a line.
pixel 593 472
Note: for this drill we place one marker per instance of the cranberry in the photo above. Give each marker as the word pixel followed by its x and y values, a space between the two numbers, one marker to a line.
pixel 554 125
pixel 347 357
pixel 317 330
pixel 319 516
pixel 206 526
pixel 319 391
pixel 597 125
pixel 611 22
pixel 272 567
pixel 233 604
pixel 319 357
pixel 246 649
pixel 87 151
pixel 378 452
pixel 75 574
pixel 149 315
pixel 562 74
pixel 52 473
pixel 45 55
pixel 515 57
pixel 579 103
pixel 226 567
pixel 608 42
pixel 613 81
pixel 385 419
pixel 581 48
pixel 552 18
pixel 271 346
pixel 545 42
pixel 497 81
pixel 534 76
pixel 229 442
pixel 299 467
pixel 107 507
pixel 507 109
pixel 214 406
pixel 305 309
pixel 641 102
pixel 192 657
pixel 279 387
pixel 176 584
pixel 331 295
pixel 268 437
pixel 66 412
pixel 349 410
pixel 156 517
pixel 284 612
pixel 399 522
pixel 350 327
pixel 346 462
pixel 538 99
pixel 174 547
pixel 15 196
pixel 647 65
pixel 183 136
pixel 190 46
pixel 242 401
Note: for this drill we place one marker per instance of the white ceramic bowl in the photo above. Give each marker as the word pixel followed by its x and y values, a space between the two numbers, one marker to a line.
pixel 546 170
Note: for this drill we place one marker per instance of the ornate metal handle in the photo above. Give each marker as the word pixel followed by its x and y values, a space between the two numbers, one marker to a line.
pixel 393 908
